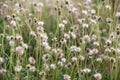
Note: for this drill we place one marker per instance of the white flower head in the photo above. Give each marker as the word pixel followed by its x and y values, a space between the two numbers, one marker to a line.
pixel 64 22
pixel 63 60
pixel 18 68
pixel 39 4
pixel 93 37
pixel 42 73
pixel 11 43
pixel 85 12
pixel 74 59
pixel 63 41
pixel 53 66
pixel 93 11
pixel 3 70
pixel 81 57
pixel 85 25
pixel 96 43
pixel 19 50
pixel 32 33
pixel 108 7
pixel 60 63
pixel 61 26
pixel 86 38
pixel 46 66
pixel 25 45
pixel 118 14
pixel 73 35
pixel 32 68
pixel 13 24
pixel 31 60
pixel 97 76
pixel 40 23
pixel 66 77
pixel 86 70
pixel 45 57
pixel 75 49
pixel 67 36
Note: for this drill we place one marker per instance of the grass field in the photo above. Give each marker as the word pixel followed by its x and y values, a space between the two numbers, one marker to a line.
pixel 59 39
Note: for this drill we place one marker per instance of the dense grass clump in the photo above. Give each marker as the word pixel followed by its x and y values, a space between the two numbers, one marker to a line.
pixel 59 39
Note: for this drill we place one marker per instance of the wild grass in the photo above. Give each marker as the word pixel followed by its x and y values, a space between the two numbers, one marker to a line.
pixel 59 40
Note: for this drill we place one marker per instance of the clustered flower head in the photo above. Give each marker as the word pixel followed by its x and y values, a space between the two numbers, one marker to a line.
pixel 75 49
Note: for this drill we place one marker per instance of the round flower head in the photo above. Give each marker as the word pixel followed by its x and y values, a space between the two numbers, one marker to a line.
pixel 11 43
pixel 97 76
pixel 19 50
pixel 66 77
pixel 42 73
pixel 32 68
pixel 53 66
pixel 31 60
pixel 13 24
pixel 18 68
pixel 86 70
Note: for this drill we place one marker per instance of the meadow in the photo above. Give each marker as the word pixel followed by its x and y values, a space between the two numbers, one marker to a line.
pixel 59 39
